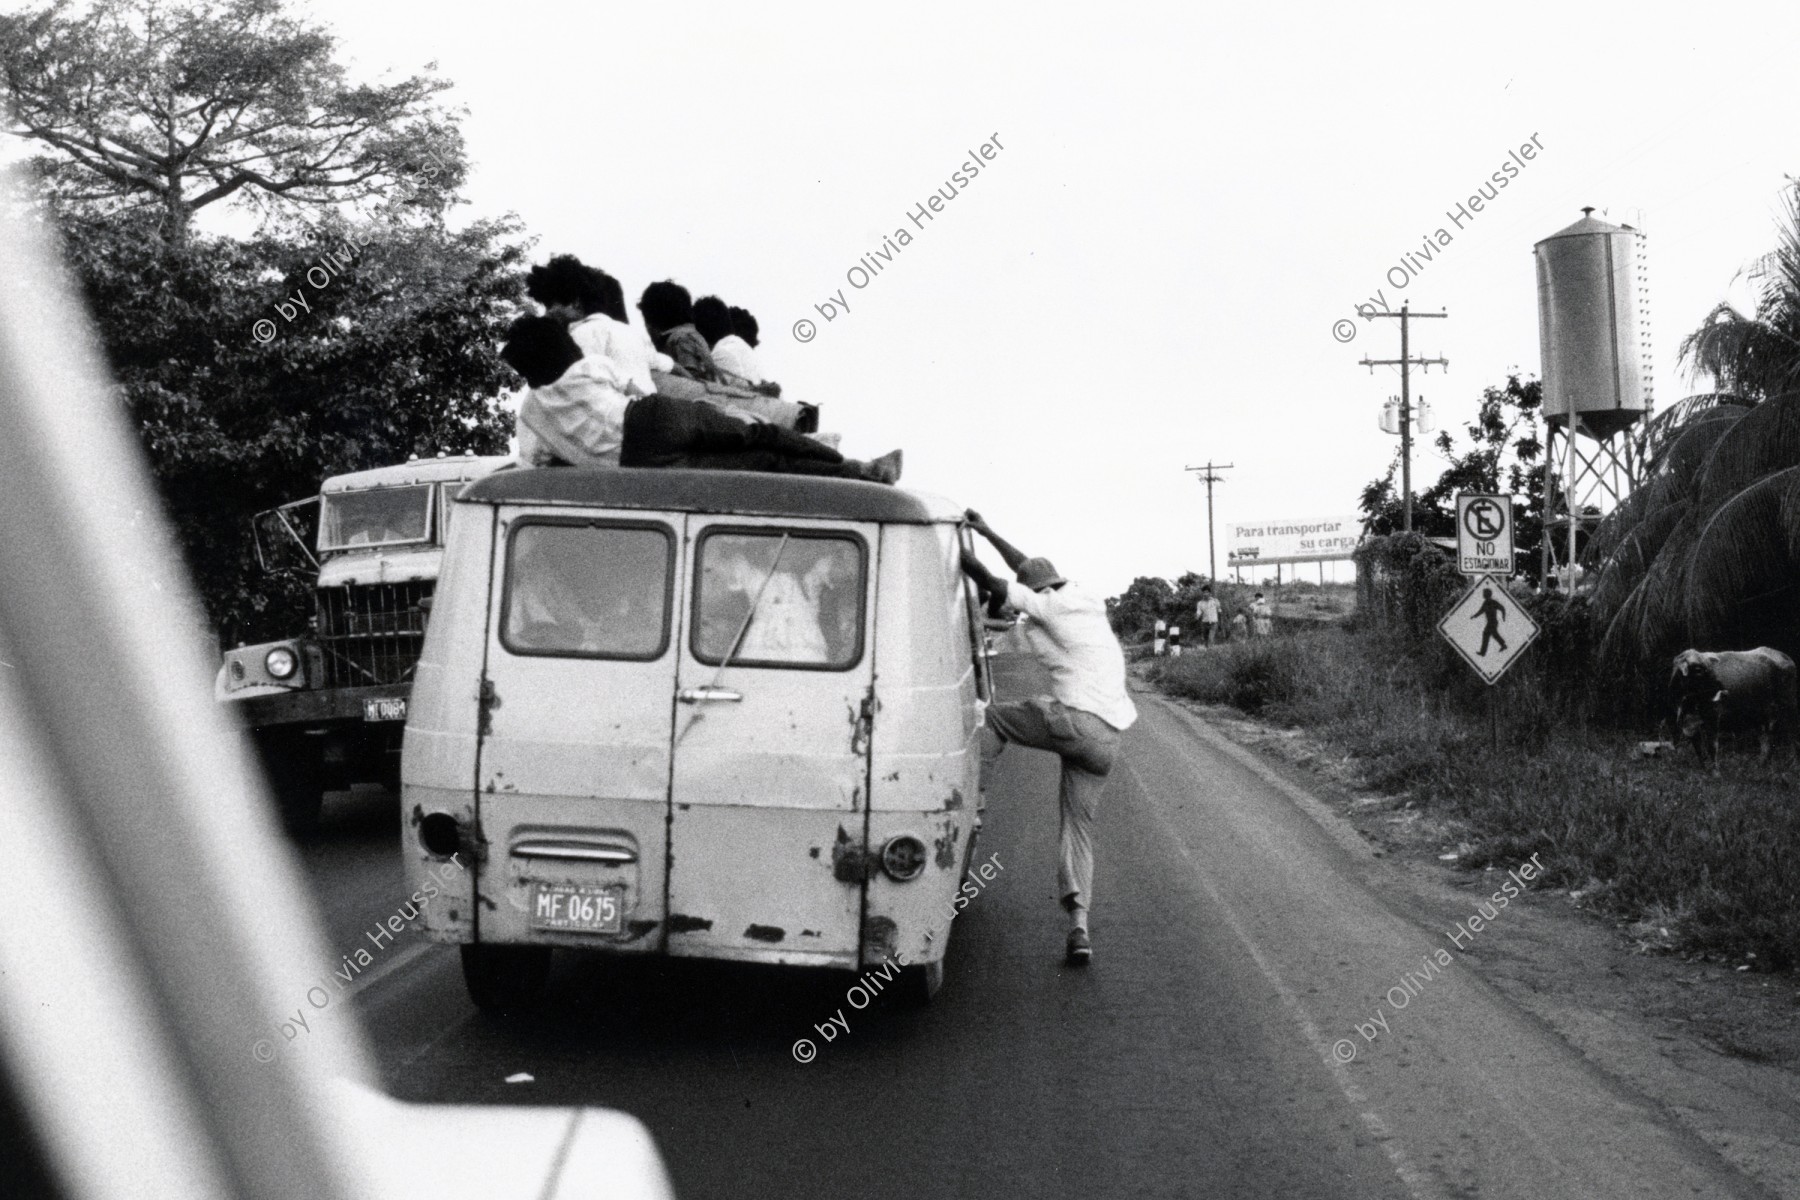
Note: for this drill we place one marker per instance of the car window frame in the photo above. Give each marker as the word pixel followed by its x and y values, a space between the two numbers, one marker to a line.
pixel 794 534
pixel 671 543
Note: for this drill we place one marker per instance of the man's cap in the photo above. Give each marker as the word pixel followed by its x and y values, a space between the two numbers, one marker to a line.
pixel 1037 573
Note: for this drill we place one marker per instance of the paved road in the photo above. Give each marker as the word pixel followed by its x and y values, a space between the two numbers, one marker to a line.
pixel 1237 942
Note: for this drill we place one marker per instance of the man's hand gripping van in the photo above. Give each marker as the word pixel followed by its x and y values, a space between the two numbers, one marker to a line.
pixel 703 714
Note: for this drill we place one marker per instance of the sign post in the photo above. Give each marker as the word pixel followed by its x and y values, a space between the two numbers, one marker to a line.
pixel 1484 535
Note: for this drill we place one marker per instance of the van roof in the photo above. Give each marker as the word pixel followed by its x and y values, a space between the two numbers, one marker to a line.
pixel 751 493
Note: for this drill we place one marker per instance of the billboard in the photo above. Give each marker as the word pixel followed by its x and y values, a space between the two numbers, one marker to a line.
pixel 1310 539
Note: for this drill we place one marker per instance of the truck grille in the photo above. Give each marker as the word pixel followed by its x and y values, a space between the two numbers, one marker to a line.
pixel 371 634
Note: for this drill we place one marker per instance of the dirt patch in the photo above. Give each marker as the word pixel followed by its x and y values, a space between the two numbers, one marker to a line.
pixel 1715 1043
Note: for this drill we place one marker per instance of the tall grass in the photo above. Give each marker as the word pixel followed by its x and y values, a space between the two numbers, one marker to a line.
pixel 1716 861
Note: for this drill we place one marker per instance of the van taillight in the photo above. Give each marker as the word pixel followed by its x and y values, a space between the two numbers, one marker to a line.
pixel 903 858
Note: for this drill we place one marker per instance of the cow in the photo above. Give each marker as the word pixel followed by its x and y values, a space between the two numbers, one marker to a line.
pixel 1734 689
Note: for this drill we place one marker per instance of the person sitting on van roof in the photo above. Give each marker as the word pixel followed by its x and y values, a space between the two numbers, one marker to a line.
pixel 667 431
pixel 577 414
pixel 592 304
pixel 574 412
pixel 668 312
pixel 1066 628
pixel 730 353
pixel 744 325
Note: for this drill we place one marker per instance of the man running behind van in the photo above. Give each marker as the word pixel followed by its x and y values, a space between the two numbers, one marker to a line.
pixel 570 418
pixel 1066 628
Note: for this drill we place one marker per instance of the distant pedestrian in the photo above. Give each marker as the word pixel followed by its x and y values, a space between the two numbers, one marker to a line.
pixel 1208 613
pixel 1262 617
pixel 1081 721
pixel 1239 626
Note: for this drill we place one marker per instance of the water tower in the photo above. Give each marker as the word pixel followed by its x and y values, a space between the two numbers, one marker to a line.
pixel 1594 334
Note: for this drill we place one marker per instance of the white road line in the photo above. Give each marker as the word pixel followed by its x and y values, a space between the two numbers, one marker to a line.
pixel 1418 1183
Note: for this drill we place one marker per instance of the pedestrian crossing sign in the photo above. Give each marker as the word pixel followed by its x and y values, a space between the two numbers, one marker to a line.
pixel 1488 627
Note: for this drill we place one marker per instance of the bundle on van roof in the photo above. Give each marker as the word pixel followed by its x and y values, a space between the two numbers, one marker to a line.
pixel 751 493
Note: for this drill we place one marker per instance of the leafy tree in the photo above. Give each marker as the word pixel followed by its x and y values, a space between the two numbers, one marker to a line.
pixel 1135 610
pixel 140 105
pixel 395 356
pixel 1504 456
pixel 353 329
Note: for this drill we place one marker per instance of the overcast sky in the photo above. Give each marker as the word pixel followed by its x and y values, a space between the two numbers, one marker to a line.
pixel 1186 199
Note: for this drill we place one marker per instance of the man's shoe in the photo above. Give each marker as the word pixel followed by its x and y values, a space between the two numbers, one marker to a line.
pixel 1080 948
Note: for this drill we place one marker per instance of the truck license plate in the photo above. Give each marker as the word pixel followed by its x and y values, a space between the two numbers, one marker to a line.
pixel 392 708
pixel 578 907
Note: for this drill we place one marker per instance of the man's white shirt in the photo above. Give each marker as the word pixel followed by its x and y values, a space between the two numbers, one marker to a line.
pixel 584 410
pixel 1068 632
pixel 627 347
pixel 732 353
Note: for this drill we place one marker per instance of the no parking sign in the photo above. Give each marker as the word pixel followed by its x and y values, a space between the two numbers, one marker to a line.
pixel 1484 535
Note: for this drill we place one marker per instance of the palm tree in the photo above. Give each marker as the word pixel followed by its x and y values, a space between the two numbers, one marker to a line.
pixel 1706 552
pixel 1757 357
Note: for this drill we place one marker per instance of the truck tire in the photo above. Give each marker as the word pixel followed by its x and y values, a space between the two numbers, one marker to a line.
pixel 295 766
pixel 503 980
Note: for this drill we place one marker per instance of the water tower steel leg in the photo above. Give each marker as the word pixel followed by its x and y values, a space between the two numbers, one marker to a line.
pixel 1545 534
pixel 1574 427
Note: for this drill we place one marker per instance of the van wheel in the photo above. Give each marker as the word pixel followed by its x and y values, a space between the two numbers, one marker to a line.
pixel 918 984
pixel 505 979
pixel 295 767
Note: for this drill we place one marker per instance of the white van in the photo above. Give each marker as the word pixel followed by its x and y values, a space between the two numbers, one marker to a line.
pixel 709 714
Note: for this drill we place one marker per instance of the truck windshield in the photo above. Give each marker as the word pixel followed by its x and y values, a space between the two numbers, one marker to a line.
pixel 383 517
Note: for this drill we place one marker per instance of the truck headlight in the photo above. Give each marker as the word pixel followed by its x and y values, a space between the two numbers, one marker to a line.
pixel 903 858
pixel 280 663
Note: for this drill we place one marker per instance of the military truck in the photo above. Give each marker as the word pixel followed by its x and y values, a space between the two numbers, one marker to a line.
pixel 326 709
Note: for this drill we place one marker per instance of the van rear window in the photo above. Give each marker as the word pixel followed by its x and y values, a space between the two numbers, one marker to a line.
pixel 591 591
pixel 807 592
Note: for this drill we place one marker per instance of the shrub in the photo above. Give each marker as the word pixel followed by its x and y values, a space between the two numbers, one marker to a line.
pixel 1251 675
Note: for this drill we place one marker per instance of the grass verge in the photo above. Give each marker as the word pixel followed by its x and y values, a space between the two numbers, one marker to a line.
pixel 1659 842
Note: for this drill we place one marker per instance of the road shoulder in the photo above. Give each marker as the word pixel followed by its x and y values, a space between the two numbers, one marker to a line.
pixel 1717 1048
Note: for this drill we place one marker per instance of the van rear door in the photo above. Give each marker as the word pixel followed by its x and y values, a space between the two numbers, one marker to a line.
pixel 572 781
pixel 772 721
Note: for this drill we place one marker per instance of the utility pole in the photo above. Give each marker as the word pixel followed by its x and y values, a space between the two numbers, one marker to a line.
pixel 1405 363
pixel 1209 476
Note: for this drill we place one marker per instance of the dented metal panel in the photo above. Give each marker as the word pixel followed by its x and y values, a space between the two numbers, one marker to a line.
pixel 768 828
pixel 926 747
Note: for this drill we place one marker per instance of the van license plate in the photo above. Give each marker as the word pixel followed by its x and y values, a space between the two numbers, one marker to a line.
pixel 392 708
pixel 584 909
